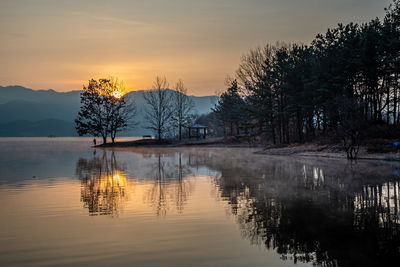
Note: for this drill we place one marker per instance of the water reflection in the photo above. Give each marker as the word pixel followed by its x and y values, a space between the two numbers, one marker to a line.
pixel 344 215
pixel 170 183
pixel 327 213
pixel 166 182
pixel 104 184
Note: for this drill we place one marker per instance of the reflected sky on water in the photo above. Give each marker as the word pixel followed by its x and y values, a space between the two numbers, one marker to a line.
pixel 65 203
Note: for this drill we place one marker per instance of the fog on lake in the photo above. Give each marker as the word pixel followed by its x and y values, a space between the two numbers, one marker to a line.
pixel 65 203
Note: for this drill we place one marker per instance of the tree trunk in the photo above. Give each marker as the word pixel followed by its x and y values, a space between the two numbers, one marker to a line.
pixel 387 103
pixel 113 134
pixel 299 126
pixel 395 103
pixel 273 134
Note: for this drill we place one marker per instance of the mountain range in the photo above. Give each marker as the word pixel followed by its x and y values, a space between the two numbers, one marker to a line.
pixel 27 112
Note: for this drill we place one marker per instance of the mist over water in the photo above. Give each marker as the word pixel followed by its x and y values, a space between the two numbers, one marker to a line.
pixel 65 203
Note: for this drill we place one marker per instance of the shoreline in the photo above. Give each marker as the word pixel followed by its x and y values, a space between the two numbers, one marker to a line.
pixel 297 150
pixel 210 142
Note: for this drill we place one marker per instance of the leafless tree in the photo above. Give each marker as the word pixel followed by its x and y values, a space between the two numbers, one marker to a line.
pixel 159 109
pixel 182 107
pixel 351 125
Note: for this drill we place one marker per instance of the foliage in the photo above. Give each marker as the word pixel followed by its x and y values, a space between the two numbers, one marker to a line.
pixel 229 107
pixel 104 109
pixel 344 82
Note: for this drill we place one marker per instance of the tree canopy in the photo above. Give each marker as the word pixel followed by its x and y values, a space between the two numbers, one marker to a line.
pixel 105 110
pixel 345 79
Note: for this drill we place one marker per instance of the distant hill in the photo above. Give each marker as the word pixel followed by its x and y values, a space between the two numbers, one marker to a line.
pixel 27 112
pixel 50 127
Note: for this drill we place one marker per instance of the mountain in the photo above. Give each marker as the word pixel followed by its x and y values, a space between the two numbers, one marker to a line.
pixel 27 112
pixel 49 127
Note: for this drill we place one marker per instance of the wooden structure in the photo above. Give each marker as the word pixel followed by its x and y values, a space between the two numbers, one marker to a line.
pixel 197 131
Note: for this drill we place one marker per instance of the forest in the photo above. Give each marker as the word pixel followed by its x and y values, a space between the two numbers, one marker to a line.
pixel 343 85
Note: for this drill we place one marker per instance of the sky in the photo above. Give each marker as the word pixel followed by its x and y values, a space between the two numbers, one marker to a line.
pixel 60 45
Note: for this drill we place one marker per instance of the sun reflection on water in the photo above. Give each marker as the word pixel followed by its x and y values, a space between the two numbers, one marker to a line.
pixel 104 185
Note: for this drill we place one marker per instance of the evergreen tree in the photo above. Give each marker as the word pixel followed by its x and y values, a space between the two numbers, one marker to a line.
pixel 229 108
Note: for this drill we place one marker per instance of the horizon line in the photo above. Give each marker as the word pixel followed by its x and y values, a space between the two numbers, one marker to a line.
pixel 77 90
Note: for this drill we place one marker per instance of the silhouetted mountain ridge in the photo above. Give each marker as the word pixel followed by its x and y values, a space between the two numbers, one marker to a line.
pixel 23 111
pixel 49 127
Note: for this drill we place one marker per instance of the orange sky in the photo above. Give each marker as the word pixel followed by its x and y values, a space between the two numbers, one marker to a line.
pixel 62 44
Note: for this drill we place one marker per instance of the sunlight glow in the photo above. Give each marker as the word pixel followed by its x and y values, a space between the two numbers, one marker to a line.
pixel 117 94
pixel 105 194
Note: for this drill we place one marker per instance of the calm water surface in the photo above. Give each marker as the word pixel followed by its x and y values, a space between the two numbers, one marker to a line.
pixel 65 203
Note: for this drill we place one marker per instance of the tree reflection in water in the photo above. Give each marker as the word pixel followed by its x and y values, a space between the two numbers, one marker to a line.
pixel 170 184
pixel 329 215
pixel 103 184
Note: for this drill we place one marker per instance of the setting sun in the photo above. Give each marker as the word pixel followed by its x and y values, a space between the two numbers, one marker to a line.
pixel 117 94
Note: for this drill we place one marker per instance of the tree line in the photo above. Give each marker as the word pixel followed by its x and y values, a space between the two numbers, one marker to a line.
pixel 106 109
pixel 341 85
pixel 343 82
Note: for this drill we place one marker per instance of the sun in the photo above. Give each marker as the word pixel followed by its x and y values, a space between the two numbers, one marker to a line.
pixel 117 94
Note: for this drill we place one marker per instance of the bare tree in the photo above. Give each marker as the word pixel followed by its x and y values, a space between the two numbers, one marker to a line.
pixel 159 107
pixel 351 125
pixel 183 107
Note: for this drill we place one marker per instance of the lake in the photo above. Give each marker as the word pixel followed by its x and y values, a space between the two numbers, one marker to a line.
pixel 65 203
